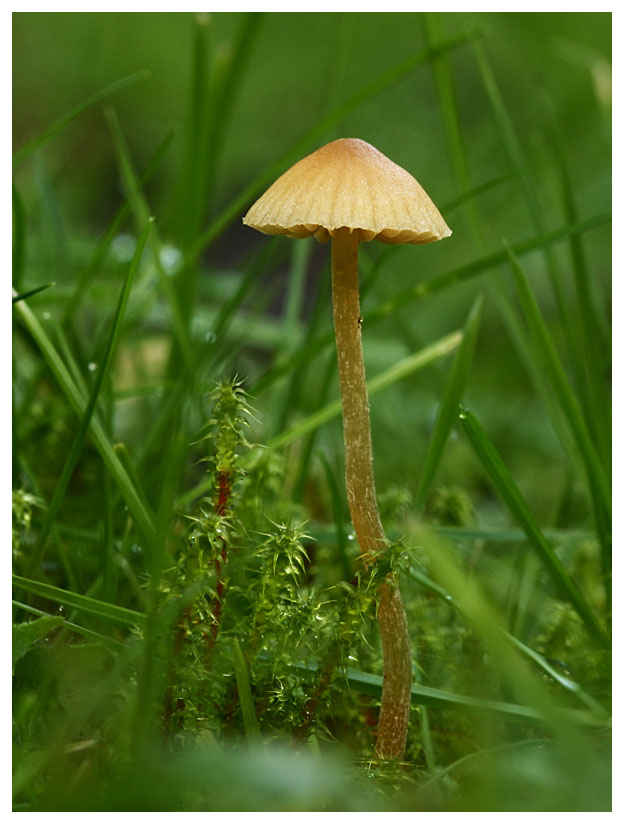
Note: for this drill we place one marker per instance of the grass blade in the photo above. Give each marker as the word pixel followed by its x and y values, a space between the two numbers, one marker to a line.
pixel 400 370
pixel 141 212
pixel 82 631
pixel 511 495
pixel 301 479
pixel 27 634
pixel 452 396
pixel 292 335
pixel 511 535
pixel 90 271
pixel 85 423
pixel 190 208
pixel 86 604
pixel 513 148
pixel 66 119
pixel 226 95
pixel 450 114
pixel 29 294
pixel 248 711
pixel 371 685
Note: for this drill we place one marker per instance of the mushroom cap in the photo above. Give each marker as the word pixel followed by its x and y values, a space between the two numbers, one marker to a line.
pixel 348 184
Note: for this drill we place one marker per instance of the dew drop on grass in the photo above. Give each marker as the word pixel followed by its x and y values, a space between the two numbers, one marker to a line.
pixel 92 366
pixel 350 537
pixel 210 337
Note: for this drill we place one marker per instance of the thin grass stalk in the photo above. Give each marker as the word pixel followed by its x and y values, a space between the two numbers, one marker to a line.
pixel 448 408
pixel 93 607
pixel 141 212
pixel 85 278
pixel 225 96
pixel 292 332
pixel 66 119
pixel 31 292
pixel 327 376
pixel 194 190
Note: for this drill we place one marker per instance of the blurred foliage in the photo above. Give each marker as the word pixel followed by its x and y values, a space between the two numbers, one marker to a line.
pixel 195 632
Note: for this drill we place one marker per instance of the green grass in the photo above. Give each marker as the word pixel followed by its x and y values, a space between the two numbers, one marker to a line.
pixel 192 630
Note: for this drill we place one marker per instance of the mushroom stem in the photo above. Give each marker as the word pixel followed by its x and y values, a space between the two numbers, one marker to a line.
pixel 395 707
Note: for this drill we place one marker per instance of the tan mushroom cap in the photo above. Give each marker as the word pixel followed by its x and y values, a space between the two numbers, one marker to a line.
pixel 348 183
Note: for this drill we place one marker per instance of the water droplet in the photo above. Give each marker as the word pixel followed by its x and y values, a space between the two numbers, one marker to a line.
pixel 47 316
pixel 92 366
pixel 61 608
pixel 210 337
pixel 136 550
pixel 123 248
pixel 171 258
pixel 350 537
pixel 352 658
pixel 318 617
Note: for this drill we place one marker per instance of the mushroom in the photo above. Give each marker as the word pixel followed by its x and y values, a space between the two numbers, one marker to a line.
pixel 349 192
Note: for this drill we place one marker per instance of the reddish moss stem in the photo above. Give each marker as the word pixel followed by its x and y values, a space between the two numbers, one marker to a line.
pixel 395 708
pixel 222 502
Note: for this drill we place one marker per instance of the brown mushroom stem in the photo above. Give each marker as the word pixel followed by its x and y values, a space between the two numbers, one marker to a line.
pixel 395 707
